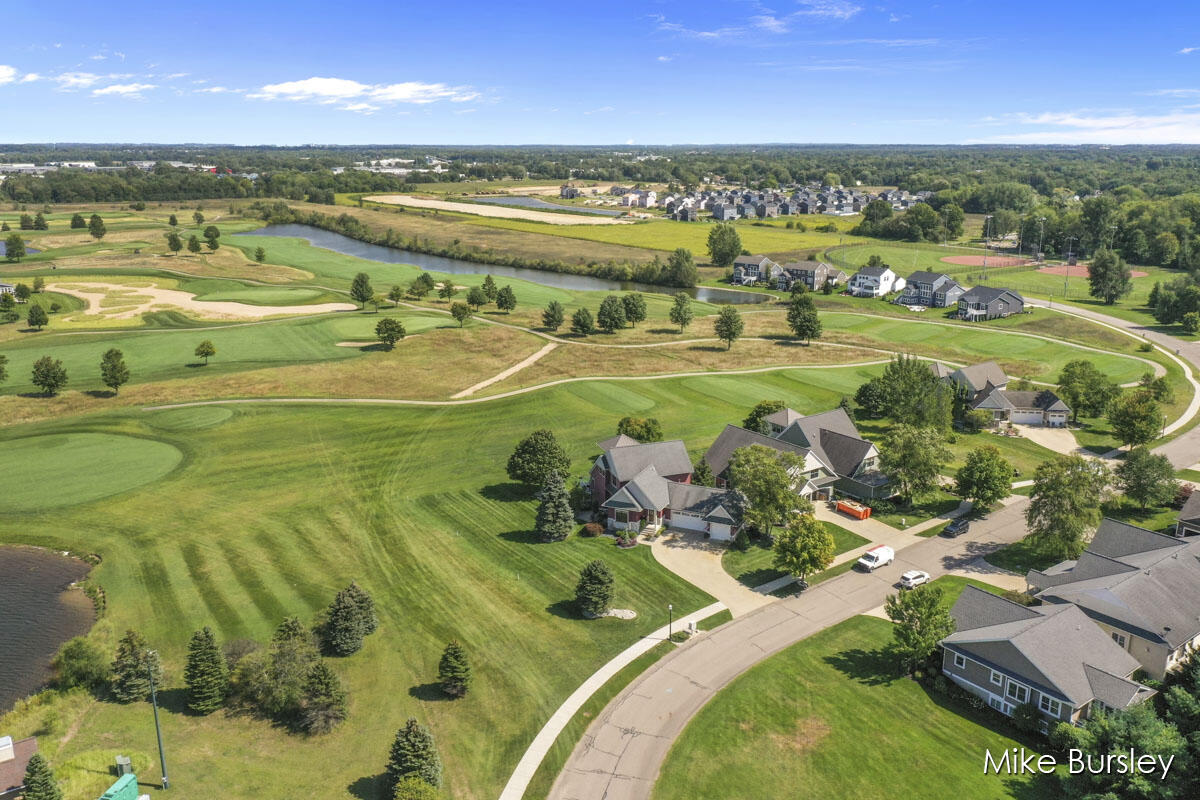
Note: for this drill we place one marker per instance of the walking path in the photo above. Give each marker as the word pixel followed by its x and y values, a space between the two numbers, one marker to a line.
pixel 527 767
pixel 514 369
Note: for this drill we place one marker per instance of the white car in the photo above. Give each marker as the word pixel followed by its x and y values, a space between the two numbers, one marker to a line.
pixel 878 556
pixel 913 578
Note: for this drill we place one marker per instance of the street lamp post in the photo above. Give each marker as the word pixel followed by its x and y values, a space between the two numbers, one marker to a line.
pixel 670 619
pixel 162 759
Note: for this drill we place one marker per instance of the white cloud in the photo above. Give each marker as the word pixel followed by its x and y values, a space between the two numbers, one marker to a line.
pixel 76 80
pixel 174 76
pixel 124 89
pixel 664 59
pixel 98 57
pixel 30 77
pixel 7 74
pixel 1174 93
pixel 218 90
pixel 769 23
pixel 361 108
pixel 829 9
pixel 1120 127
pixel 601 110
pixel 1186 50
pixel 328 91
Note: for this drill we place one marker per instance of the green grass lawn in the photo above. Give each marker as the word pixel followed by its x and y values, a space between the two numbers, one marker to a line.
pixel 1020 557
pixel 829 717
pixel 939 502
pixel 752 566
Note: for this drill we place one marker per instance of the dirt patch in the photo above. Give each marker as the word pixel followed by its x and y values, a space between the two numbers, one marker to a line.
pixel 808 733
pixel 992 261
pixel 1080 271
pixel 119 301
pixel 504 212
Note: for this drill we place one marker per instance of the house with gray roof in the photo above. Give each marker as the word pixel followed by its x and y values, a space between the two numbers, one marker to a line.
pixel 750 269
pixel 976 378
pixel 813 274
pixel 813 478
pixel 989 302
pixel 931 289
pixel 1024 408
pixel 1189 517
pixel 833 437
pixel 1140 587
pixel 7 288
pixel 874 282
pixel 1052 656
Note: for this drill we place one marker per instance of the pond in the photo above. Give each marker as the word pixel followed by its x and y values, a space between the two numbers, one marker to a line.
pixel 37 614
pixel 28 250
pixel 521 201
pixel 454 266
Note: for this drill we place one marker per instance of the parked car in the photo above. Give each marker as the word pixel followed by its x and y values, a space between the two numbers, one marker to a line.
pixel 957 527
pixel 878 556
pixel 913 578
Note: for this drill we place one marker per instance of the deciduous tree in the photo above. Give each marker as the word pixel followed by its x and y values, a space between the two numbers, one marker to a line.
pixel 14 247
pixel 1146 478
pixel 728 326
pixel 922 620
pixel 1064 506
pixel 803 547
pixel 506 299
pixel 1109 277
pixel 681 310
pixel 96 227
pixel 476 299
pixel 536 456
pixel 447 289
pixel 802 318
pixel 114 372
pixel 611 315
pixel 49 375
pixel 766 478
pixel 37 317
pixel 460 311
pixel 193 244
pixel 81 663
pixel 702 474
pixel 389 330
pixel 985 478
pixel 681 268
pixel 421 285
pixel 174 242
pixel 553 316
pixel 724 244
pixel 582 322
pixel 1136 418
pixel 489 289
pixel 77 221
pixel 756 420
pixel 206 350
pixel 913 458
pixel 635 308
pixel 260 254
pixel 644 429
pixel 1086 389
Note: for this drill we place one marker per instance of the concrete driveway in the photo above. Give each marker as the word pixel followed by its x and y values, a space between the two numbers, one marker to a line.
pixel 1060 440
pixel 697 560
pixel 621 753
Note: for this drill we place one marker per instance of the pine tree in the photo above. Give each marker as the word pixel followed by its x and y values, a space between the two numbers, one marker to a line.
pixel 130 669
pixel 454 671
pixel 554 517
pixel 553 315
pixel 324 704
pixel 39 780
pixel 489 289
pixel 703 474
pixel 366 608
pixel 414 753
pixel 594 591
pixel 344 626
pixel 206 673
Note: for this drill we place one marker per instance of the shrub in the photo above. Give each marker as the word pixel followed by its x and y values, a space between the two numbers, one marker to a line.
pixel 592 529
pixel 941 684
pixel 80 663
pixel 1146 347
pixel 1026 718
pixel 1024 598
pixel 1182 494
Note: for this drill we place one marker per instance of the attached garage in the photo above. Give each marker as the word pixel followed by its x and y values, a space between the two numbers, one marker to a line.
pixel 688 522
pixel 1026 417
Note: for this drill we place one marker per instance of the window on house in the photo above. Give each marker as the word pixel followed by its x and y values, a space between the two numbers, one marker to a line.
pixel 1119 638
pixel 622 516
pixel 1016 691
pixel 960 661
pixel 816 473
pixel 997 678
pixel 1051 707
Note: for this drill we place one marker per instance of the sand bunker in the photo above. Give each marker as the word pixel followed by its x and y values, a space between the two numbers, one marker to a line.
pixel 506 212
pixel 119 301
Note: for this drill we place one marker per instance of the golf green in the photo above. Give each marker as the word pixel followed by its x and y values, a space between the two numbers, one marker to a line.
pixel 69 468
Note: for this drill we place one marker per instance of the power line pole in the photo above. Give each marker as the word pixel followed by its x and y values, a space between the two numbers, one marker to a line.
pixel 162 759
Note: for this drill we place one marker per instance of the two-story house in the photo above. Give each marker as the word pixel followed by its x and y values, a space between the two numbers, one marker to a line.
pixel 835 440
pixel 1140 587
pixel 812 274
pixel 988 302
pixel 931 289
pixel 875 282
pixel 751 269
pixel 1052 656
pixel 812 479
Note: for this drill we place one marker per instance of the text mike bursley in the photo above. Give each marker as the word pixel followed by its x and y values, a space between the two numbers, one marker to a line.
pixel 1019 761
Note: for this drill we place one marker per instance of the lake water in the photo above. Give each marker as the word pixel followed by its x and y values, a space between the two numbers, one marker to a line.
pixel 28 250
pixel 521 201
pixel 559 280
pixel 37 615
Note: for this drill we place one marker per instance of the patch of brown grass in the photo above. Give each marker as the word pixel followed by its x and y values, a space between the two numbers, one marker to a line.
pixel 806 735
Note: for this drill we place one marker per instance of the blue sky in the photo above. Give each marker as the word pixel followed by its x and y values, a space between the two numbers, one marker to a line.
pixel 601 72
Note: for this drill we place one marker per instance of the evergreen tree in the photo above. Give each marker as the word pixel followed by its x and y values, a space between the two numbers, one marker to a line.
pixel 360 289
pixel 553 316
pixel 703 475
pixel 366 608
pixel 454 671
pixel 681 310
pixel 260 254
pixel 594 592
pixel 347 621
pixel 414 753
pixel 582 322
pixel 536 456
pixel 77 221
pixel 803 320
pixel 323 706
pixel 132 666
pixel 39 780
pixel 489 289
pixel 554 517
pixel 39 222
pixel 113 370
pixel 206 673
pixel 506 299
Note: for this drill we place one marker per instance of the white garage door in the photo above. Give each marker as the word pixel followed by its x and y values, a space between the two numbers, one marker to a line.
pixel 1027 417
pixel 721 532
pixel 688 522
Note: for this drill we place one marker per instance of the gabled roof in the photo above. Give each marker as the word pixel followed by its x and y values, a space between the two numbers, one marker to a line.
pixel 986 294
pixel 783 417
pixel 924 276
pixel 734 438
pixel 620 440
pixel 833 438
pixel 1115 691
pixel 711 504
pixel 940 370
pixel 1134 579
pixel 1191 509
pixel 1003 399
pixel 873 272
pixel 668 458
pixel 1048 647
pixel 976 376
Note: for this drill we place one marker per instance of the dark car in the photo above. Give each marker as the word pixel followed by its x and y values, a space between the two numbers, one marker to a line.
pixel 957 528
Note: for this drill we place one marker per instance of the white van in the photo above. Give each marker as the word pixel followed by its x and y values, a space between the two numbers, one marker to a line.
pixel 878 556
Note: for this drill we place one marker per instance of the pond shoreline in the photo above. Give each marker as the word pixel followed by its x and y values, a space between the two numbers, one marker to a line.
pixel 41 607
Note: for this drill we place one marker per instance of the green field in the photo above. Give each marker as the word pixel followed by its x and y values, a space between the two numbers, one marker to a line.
pixel 829 717
pixel 753 566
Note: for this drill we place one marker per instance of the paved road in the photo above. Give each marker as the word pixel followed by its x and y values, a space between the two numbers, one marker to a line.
pixel 620 755
pixel 1184 450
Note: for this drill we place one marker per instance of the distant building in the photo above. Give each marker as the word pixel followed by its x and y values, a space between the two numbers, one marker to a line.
pixel 813 274
pixel 569 192
pixel 751 269
pixel 875 282
pixel 931 289
pixel 986 302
